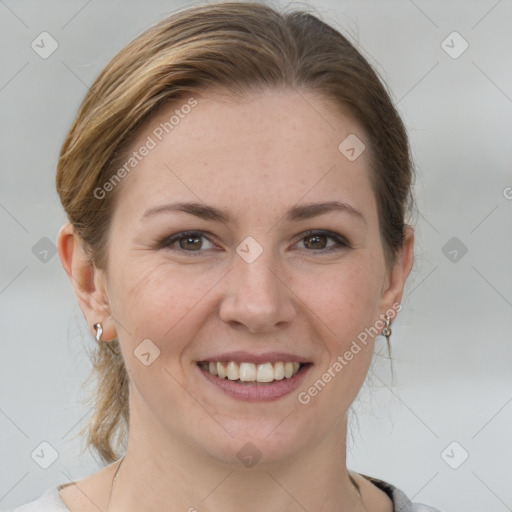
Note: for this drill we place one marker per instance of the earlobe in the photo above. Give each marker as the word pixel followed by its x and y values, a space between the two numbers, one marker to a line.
pixel 86 279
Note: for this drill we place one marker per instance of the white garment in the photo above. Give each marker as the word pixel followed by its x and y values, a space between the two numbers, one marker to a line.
pixel 50 501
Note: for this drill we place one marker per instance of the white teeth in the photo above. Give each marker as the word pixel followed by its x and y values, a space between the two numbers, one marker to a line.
pixel 250 372
pixel 247 372
pixel 233 371
pixel 221 371
pixel 279 371
pixel 265 372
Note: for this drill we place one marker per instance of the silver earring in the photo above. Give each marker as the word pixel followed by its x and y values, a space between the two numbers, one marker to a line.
pixel 99 331
pixel 386 331
pixel 387 328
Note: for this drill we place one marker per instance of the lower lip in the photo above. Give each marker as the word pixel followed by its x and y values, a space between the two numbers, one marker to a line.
pixel 257 391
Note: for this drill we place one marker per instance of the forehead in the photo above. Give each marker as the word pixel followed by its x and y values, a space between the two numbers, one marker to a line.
pixel 264 149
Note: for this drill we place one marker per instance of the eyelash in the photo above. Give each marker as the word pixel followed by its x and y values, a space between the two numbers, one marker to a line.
pixel 341 243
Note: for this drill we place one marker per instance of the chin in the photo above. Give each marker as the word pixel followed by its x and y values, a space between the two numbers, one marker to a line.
pixel 267 442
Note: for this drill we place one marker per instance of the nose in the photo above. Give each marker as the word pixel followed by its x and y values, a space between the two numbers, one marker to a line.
pixel 257 296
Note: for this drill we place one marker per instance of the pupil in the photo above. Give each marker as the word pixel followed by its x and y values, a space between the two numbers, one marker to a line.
pixel 191 239
pixel 317 240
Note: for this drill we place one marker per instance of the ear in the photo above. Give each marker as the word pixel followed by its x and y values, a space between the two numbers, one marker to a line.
pixel 394 287
pixel 88 281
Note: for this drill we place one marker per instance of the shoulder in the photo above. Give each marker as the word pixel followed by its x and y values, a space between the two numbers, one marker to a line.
pixel 49 501
pixel 84 495
pixel 399 499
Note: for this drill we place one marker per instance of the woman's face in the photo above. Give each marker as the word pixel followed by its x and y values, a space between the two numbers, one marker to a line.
pixel 265 277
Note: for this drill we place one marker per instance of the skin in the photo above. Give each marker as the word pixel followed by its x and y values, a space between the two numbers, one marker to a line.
pixel 254 158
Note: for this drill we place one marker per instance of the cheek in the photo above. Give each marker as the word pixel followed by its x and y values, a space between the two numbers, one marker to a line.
pixel 345 297
pixel 156 300
pixel 345 300
pixel 156 303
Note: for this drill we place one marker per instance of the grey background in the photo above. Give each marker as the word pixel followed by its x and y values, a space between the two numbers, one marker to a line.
pixel 451 344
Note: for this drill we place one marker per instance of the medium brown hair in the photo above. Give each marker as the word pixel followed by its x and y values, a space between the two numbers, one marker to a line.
pixel 238 47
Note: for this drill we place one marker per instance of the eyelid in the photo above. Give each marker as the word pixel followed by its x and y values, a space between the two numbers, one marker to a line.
pixel 340 240
pixel 166 241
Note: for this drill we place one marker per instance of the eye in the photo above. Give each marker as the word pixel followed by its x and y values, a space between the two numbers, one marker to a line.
pixel 193 241
pixel 188 241
pixel 317 241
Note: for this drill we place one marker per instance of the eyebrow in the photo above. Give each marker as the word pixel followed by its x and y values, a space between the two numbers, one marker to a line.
pixel 297 213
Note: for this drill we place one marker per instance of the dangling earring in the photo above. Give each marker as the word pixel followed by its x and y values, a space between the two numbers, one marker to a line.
pixel 99 332
pixel 387 332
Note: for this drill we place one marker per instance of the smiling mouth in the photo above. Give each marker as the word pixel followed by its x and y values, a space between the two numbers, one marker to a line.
pixel 247 373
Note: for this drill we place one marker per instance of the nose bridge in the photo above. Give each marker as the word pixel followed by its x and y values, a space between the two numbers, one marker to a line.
pixel 256 297
pixel 255 279
pixel 259 278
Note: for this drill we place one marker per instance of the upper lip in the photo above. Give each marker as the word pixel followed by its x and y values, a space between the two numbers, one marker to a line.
pixel 247 357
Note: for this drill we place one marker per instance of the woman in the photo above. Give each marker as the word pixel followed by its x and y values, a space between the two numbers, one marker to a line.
pixel 236 182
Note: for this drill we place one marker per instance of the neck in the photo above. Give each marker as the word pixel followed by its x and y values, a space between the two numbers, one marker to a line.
pixel 175 477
